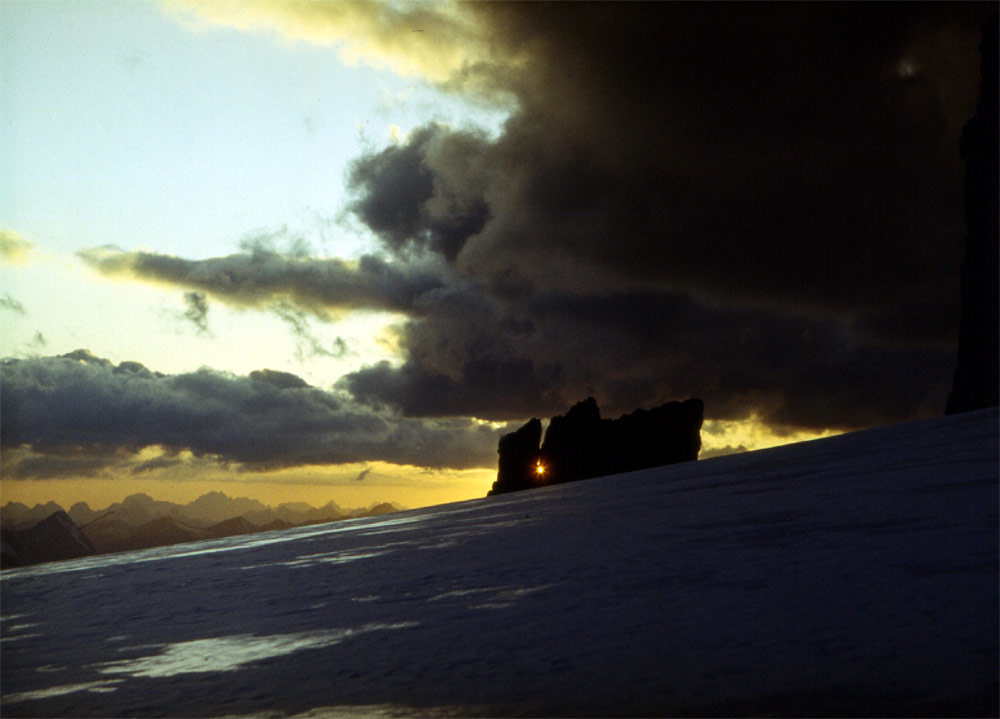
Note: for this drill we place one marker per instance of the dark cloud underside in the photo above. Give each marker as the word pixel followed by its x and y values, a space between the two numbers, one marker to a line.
pixel 79 405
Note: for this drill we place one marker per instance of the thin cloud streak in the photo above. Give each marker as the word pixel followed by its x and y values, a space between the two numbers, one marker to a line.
pixel 13 248
pixel 9 303
pixel 256 279
pixel 197 310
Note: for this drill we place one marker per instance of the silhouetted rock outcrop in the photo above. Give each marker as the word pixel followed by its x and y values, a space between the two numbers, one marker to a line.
pixel 518 455
pixel 574 445
pixel 579 444
pixel 55 537
pixel 977 375
pixel 82 514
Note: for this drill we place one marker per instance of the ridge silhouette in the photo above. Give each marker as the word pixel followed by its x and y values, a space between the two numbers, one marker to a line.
pixel 581 445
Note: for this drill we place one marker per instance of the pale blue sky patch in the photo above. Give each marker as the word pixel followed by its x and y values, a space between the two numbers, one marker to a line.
pixel 124 126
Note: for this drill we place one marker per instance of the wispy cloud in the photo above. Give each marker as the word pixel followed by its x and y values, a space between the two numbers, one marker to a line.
pixel 260 278
pixel 306 343
pixel 13 248
pixel 9 303
pixel 197 310
pixel 363 474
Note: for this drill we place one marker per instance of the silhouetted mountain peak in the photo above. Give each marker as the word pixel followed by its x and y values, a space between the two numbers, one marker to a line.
pixel 16 515
pixel 57 519
pixel 215 506
pixel 381 508
pixel 140 499
pixel 55 537
pixel 81 513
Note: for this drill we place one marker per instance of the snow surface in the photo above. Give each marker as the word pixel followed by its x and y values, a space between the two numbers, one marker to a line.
pixel 855 575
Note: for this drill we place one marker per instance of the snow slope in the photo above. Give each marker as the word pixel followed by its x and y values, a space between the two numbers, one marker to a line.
pixel 855 575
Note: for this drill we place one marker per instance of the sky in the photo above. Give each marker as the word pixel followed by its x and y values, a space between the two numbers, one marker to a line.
pixel 314 251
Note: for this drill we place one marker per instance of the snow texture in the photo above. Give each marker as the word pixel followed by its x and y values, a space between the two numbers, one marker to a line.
pixel 855 575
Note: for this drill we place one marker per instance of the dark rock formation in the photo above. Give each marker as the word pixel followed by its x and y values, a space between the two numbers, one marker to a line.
pixel 580 445
pixel 518 458
pixel 977 375
pixel 55 537
pixel 576 445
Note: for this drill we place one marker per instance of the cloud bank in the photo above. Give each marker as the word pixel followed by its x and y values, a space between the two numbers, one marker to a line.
pixel 81 407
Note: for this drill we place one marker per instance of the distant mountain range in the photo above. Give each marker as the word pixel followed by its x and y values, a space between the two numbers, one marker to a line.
pixel 46 531
pixel 207 510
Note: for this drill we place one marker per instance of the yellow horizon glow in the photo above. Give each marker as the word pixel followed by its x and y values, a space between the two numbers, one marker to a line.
pixel 722 437
pixel 406 485
pixel 410 488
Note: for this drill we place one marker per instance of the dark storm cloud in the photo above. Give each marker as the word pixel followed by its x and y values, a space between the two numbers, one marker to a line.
pixel 759 204
pixel 276 378
pixel 260 277
pixel 426 194
pixel 764 153
pixel 82 405
pixel 631 350
pixel 467 353
pixel 59 467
